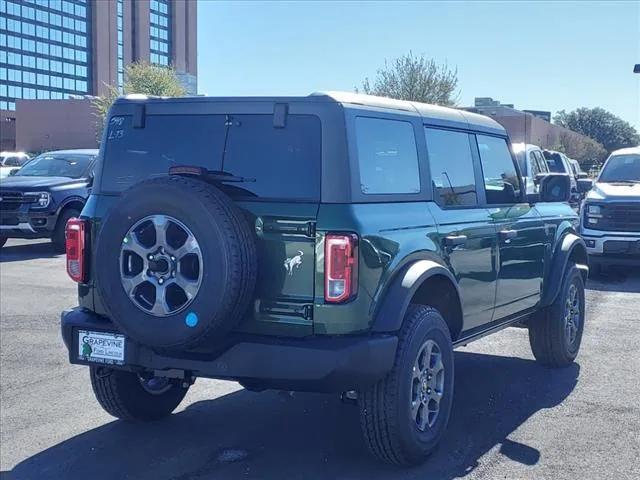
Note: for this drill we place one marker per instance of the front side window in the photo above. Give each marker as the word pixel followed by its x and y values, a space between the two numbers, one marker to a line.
pixel 387 156
pixel 451 167
pixel 501 182
pixel 621 168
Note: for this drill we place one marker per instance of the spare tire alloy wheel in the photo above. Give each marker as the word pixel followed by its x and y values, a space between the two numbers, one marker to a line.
pixel 161 265
pixel 175 263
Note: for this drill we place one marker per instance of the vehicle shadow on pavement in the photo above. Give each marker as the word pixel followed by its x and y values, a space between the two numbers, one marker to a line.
pixel 30 251
pixel 278 435
pixel 616 279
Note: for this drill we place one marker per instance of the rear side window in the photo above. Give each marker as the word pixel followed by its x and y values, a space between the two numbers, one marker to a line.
pixel 387 156
pixel 451 166
pixel 541 164
pixel 276 163
pixel 501 182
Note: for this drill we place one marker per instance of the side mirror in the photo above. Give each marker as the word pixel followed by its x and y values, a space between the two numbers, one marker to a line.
pixel 13 171
pixel 584 185
pixel 554 187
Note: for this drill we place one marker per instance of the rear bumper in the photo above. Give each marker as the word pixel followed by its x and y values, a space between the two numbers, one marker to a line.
pixel 333 364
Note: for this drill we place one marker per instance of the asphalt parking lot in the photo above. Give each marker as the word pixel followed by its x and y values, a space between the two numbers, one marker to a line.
pixel 511 418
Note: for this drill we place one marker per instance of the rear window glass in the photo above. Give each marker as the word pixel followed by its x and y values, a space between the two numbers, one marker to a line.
pixel 554 161
pixel 275 162
pixel 387 156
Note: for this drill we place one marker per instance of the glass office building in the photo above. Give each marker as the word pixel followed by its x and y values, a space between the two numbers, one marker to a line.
pixel 44 49
pixel 57 50
pixel 159 32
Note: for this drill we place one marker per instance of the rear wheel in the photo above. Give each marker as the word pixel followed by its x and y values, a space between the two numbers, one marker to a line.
pixel 58 238
pixel 555 334
pixel 131 397
pixel 404 416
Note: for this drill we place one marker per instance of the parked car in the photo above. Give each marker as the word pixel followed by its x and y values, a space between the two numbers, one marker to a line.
pixel 559 163
pixel 10 161
pixel 336 242
pixel 611 212
pixel 38 199
pixel 532 163
pixel 577 170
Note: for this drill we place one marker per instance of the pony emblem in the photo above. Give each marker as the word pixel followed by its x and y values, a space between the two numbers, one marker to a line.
pixel 293 263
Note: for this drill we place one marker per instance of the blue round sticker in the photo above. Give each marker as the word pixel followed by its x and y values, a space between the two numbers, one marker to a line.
pixel 191 320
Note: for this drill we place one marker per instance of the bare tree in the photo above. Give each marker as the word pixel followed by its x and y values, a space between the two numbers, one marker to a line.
pixel 416 78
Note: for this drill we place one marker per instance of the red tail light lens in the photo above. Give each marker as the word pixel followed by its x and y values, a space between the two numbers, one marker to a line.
pixel 340 267
pixel 75 242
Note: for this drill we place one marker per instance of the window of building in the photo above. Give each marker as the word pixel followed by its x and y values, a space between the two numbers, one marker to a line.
pixel 387 156
pixel 451 165
pixel 501 181
pixel 159 30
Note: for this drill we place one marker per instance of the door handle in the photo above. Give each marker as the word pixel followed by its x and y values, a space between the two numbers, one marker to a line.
pixel 507 235
pixel 454 240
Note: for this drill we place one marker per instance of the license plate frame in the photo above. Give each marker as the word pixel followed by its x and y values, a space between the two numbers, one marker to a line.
pixel 106 348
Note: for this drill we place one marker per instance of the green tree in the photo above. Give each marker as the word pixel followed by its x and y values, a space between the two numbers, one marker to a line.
pixel 142 78
pixel 602 126
pixel 416 78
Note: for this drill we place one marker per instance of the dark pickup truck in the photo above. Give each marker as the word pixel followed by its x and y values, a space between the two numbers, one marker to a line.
pixel 335 242
pixel 37 200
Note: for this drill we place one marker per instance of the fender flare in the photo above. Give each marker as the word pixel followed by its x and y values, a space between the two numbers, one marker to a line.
pixel 553 280
pixel 68 200
pixel 391 312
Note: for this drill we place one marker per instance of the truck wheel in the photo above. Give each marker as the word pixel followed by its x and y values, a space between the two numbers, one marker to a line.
pixel 404 416
pixel 128 396
pixel 58 238
pixel 3 240
pixel 176 263
pixel 555 333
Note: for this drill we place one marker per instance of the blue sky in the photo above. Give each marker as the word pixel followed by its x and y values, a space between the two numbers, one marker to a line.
pixel 537 55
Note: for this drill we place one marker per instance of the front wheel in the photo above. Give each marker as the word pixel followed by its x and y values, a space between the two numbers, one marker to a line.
pixel 555 333
pixel 404 416
pixel 131 397
pixel 58 237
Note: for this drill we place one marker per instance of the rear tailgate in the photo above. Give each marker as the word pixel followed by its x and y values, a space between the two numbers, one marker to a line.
pixel 279 167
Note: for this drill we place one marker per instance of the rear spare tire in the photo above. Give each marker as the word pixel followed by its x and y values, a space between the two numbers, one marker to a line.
pixel 175 263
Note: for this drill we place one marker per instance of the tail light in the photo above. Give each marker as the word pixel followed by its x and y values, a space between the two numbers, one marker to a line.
pixel 75 243
pixel 340 267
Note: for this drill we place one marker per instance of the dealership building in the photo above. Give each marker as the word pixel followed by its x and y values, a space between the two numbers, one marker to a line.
pixel 54 54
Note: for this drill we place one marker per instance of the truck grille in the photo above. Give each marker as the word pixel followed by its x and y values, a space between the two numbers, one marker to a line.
pixel 10 201
pixel 619 217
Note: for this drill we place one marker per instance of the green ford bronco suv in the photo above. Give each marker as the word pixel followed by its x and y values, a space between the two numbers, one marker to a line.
pixel 336 243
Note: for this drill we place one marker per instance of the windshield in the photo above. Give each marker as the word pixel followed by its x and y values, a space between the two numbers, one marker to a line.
pixel 57 165
pixel 621 168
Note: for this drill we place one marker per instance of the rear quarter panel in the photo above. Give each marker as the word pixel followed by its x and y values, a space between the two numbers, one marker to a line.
pixel 390 236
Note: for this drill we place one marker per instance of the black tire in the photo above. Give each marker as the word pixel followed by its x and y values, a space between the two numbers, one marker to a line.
pixel 390 431
pixel 550 334
pixel 595 270
pixel 229 262
pixel 3 240
pixel 122 395
pixel 58 238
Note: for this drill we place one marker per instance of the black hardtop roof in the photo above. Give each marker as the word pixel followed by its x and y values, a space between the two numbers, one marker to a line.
pixel 443 115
